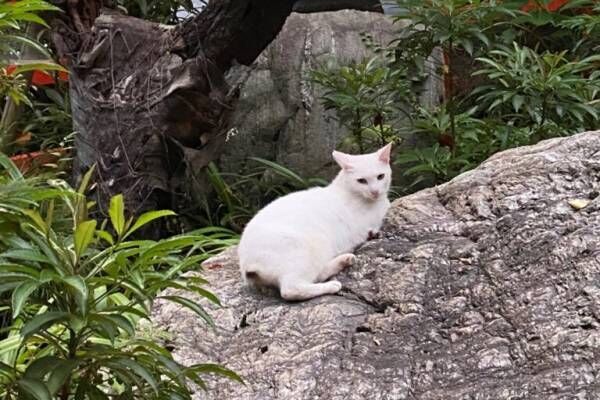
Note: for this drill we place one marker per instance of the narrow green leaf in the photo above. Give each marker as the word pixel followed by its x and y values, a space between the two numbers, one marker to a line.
pixel 517 102
pixel 77 283
pixel 206 294
pixel 85 181
pixel 148 217
pixel 21 295
pixel 187 303
pixel 121 322
pixel 38 220
pixel 59 375
pixel 106 236
pixel 84 234
pixel 116 213
pixel 136 368
pixel 38 66
pixel 42 321
pixel 216 369
pixel 6 370
pixel 34 388
pixel 39 368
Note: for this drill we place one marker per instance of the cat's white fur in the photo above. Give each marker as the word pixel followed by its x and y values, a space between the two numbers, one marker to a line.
pixel 300 240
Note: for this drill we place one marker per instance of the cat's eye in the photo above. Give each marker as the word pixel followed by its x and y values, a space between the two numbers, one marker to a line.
pixel 380 177
pixel 362 181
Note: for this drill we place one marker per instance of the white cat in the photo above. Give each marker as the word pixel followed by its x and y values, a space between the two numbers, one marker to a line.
pixel 300 240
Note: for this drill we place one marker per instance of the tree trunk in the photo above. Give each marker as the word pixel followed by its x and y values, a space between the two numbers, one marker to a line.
pixel 149 100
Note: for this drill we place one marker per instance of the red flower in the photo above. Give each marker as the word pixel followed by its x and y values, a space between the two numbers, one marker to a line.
pixel 41 78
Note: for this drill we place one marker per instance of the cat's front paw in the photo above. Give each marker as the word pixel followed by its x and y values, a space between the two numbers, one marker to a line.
pixel 334 286
pixel 347 260
pixel 373 234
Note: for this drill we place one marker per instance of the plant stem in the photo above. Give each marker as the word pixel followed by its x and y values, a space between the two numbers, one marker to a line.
pixel 73 344
pixel 358 131
pixel 450 88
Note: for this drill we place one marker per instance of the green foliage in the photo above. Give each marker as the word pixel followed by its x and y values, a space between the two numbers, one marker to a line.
pixel 533 75
pixel 14 86
pixel 237 197
pixel 547 92
pixel 76 292
pixel 368 98
pixel 14 17
pixel 588 24
pixel 47 124
pixel 447 23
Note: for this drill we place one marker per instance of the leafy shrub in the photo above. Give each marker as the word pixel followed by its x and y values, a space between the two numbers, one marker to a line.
pixel 237 197
pixel 14 17
pixel 77 292
pixel 511 78
pixel 48 123
pixel 18 41
pixel 546 92
pixel 369 100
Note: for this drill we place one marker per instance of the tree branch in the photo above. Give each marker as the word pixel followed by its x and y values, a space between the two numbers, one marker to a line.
pixel 229 30
pixel 311 6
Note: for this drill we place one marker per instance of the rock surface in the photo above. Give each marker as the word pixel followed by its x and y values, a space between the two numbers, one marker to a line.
pixel 279 116
pixel 487 287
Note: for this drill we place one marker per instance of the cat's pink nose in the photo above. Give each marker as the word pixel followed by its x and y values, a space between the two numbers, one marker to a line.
pixel 374 193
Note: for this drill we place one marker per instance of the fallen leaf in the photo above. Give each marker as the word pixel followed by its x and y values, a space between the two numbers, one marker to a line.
pixel 578 204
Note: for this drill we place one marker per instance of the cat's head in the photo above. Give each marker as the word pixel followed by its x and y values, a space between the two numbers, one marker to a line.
pixel 367 175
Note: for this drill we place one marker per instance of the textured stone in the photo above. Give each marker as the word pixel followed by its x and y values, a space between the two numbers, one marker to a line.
pixel 279 116
pixel 487 287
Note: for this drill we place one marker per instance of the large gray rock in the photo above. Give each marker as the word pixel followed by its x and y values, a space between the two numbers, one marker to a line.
pixel 487 287
pixel 279 116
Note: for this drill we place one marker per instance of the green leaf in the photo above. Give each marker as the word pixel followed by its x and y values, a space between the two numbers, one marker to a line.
pixel 121 322
pixel 147 218
pixel 25 66
pixel 6 370
pixel 25 255
pixel 42 321
pixel 104 327
pixel 10 167
pixel 77 283
pixel 21 295
pixel 205 293
pixel 8 286
pixel 38 220
pixel 59 375
pixel 34 388
pixel 39 368
pixel 84 234
pixel 85 181
pixel 37 66
pixel 216 369
pixel 517 102
pixel 136 368
pixel 106 236
pixel 116 213
pixel 187 303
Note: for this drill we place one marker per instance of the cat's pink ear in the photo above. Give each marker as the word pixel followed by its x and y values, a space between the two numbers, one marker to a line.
pixel 384 153
pixel 343 160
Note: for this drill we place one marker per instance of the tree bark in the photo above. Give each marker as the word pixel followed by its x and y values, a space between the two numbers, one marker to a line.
pixel 311 6
pixel 150 100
